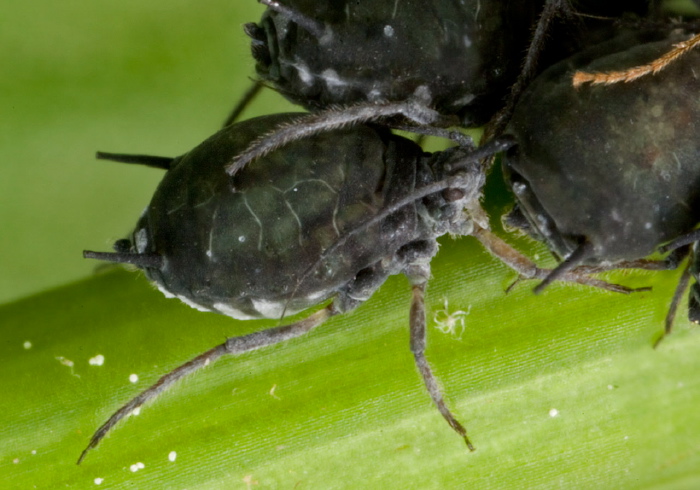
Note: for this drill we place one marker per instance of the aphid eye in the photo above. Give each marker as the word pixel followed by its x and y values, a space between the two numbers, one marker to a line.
pixel 122 245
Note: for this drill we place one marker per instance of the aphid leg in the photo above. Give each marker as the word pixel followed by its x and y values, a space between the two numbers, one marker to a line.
pixel 694 296
pixel 418 276
pixel 242 104
pixel 413 109
pixel 527 269
pixel 578 256
pixel 681 241
pixel 675 302
pixel 639 71
pixel 233 346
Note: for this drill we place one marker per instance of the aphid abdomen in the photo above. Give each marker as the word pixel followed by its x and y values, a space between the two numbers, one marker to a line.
pixel 253 251
pixel 466 54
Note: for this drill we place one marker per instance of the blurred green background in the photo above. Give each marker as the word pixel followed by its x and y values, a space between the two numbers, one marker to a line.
pixel 79 76
pixel 348 409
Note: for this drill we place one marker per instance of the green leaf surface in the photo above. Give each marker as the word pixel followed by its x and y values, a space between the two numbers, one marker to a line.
pixel 561 390
pixel 348 409
pixel 154 77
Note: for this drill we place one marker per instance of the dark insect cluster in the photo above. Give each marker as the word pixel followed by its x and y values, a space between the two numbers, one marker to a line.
pixel 607 173
pixel 282 213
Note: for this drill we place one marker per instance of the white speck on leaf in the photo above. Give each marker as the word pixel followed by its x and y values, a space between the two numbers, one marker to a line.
pixel 172 456
pixel 27 345
pixel 68 363
pixel 134 378
pixel 553 412
pixel 98 360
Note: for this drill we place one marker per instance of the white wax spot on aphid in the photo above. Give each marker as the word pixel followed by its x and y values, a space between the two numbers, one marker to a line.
pixel 332 79
pixel 374 95
pixel 388 31
pixel 192 304
pixel 27 345
pixel 98 360
pixel 165 292
pixel 98 481
pixel 553 412
pixel 271 309
pixel 133 378
pixel 172 456
pixel 141 238
pixel 229 310
pixel 304 73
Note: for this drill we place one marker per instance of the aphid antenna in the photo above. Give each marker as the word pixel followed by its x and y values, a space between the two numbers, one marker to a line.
pixel 314 28
pixel 152 261
pixel 163 163
pixel 243 102
pixel 631 74
pixel 582 252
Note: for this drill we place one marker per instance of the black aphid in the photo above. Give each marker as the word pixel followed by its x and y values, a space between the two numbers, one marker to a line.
pixel 328 217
